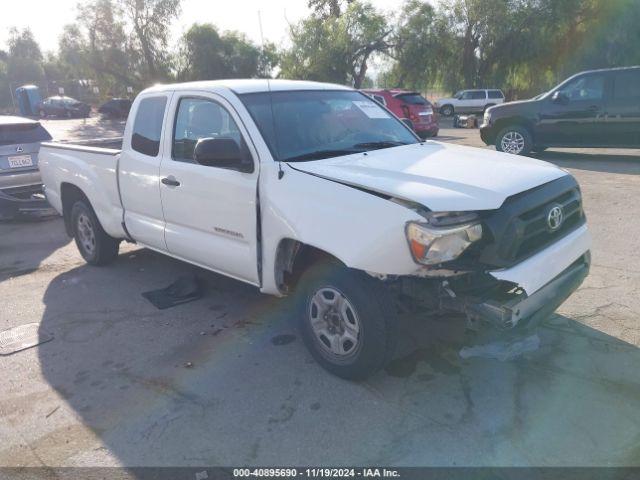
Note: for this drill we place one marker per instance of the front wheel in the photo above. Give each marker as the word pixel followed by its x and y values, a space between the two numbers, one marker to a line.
pixel 94 244
pixel 347 320
pixel 515 140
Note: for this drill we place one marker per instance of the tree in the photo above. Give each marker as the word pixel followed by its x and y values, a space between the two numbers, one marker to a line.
pixel 336 49
pixel 328 8
pixel 423 48
pixel 150 21
pixel 206 54
pixel 24 59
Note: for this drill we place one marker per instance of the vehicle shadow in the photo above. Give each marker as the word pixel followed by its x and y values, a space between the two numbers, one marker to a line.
pixel 225 380
pixel 627 164
pixel 31 240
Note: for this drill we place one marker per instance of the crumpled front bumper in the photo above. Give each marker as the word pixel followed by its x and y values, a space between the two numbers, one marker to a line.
pixel 529 310
pixel 534 288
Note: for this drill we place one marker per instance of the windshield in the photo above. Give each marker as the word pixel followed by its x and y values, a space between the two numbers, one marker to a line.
pixel 310 125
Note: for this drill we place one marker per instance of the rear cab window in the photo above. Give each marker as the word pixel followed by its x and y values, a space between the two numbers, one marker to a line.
pixel 147 127
pixel 21 133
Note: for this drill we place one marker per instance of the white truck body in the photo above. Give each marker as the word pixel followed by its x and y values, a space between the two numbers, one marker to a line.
pixel 250 225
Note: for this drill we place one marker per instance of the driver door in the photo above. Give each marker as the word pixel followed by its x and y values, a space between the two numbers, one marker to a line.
pixel 210 212
pixel 575 114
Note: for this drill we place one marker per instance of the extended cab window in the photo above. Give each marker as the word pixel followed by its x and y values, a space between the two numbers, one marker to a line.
pixel 148 126
pixel 201 118
pixel 495 94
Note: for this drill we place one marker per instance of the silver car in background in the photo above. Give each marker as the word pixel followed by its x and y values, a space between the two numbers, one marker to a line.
pixel 20 183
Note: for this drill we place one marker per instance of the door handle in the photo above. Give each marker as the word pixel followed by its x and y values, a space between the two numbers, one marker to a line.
pixel 170 181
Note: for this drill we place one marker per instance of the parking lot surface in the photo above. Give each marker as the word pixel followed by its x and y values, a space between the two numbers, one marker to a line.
pixel 226 380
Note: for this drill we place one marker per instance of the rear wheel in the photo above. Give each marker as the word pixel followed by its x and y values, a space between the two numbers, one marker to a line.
pixel 94 244
pixel 447 110
pixel 347 320
pixel 514 139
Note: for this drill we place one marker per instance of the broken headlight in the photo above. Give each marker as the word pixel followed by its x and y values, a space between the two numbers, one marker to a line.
pixel 443 237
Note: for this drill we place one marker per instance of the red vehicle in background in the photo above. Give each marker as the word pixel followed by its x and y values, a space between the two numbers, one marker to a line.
pixel 410 105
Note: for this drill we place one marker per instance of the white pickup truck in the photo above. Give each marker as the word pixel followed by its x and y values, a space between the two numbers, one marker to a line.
pixel 315 190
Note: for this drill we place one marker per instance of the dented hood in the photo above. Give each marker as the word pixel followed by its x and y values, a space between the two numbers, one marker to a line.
pixel 439 176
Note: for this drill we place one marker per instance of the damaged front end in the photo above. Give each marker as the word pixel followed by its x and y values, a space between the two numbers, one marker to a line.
pixel 511 267
pixel 487 301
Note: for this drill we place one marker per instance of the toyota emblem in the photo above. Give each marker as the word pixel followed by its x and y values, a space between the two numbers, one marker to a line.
pixel 555 218
pixel 19 149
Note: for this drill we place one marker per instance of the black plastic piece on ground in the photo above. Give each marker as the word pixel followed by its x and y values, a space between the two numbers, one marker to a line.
pixel 184 289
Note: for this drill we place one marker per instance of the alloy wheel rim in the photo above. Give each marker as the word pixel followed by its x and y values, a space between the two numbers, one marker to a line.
pixel 512 142
pixel 335 322
pixel 86 234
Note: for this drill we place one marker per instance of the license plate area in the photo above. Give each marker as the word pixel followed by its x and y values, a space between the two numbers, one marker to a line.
pixel 20 161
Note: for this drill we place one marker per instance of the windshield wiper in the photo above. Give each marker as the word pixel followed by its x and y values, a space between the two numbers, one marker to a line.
pixel 379 145
pixel 320 154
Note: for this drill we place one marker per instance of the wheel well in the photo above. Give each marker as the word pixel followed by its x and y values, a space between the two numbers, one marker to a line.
pixel 70 194
pixel 293 258
pixel 508 122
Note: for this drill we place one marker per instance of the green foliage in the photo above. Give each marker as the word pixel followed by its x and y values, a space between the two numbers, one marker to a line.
pixel 24 62
pixel 205 54
pixel 338 48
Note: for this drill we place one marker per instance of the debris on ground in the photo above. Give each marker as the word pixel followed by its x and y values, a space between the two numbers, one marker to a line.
pixel 52 412
pixel 20 338
pixel 503 351
pixel 185 289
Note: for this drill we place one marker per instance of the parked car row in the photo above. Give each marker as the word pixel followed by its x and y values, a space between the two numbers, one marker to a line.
pixel 67 107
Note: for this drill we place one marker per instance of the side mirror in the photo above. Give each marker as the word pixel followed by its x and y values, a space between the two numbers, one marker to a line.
pixel 223 153
pixel 559 97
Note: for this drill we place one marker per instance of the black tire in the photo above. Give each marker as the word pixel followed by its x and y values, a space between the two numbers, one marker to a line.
pixel 104 249
pixel 447 110
pixel 372 311
pixel 521 144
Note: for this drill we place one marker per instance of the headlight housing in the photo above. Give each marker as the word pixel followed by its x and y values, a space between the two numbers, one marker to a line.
pixel 444 237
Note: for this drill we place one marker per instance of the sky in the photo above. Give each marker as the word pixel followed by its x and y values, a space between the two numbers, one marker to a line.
pixel 47 17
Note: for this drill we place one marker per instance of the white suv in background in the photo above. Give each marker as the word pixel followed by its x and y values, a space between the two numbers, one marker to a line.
pixel 466 101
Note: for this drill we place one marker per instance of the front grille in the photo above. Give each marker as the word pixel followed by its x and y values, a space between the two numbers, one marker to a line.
pixel 519 228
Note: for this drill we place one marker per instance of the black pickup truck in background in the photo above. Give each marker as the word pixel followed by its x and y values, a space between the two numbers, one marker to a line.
pixel 598 108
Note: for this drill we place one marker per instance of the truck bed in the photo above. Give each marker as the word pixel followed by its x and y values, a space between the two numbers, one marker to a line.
pixel 88 165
